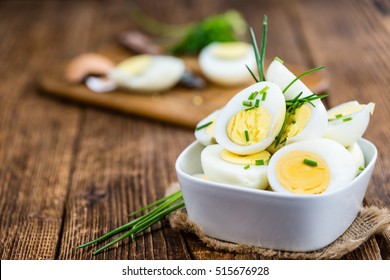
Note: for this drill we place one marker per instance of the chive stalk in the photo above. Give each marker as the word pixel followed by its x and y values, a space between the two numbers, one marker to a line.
pixel 347 119
pixel 302 75
pixel 310 162
pixel 203 126
pixel 246 135
pixel 163 207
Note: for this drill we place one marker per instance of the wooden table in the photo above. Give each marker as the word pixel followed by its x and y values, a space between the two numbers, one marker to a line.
pixel 70 172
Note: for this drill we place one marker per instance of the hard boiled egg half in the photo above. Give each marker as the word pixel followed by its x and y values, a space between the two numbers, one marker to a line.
pixel 348 122
pixel 220 165
pixel 224 63
pixel 311 167
pixel 308 121
pixel 147 73
pixel 251 119
pixel 204 131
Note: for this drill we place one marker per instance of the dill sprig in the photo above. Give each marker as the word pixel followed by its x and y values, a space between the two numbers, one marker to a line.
pixel 291 106
pixel 259 55
pixel 163 207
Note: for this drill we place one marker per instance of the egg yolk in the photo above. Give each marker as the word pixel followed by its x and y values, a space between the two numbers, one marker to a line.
pixel 231 50
pixel 250 126
pixel 295 124
pixel 345 111
pixel 299 177
pixel 247 159
pixel 136 65
pixel 298 121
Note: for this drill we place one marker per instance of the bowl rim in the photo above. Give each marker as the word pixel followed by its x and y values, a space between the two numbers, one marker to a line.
pixel 273 194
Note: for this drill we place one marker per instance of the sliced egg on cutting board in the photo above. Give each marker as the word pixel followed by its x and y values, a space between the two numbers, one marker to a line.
pixel 224 63
pixel 311 167
pixel 348 122
pixel 220 165
pixel 204 131
pixel 251 119
pixel 147 73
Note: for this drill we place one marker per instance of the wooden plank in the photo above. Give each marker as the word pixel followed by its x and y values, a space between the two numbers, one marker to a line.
pixel 351 41
pixel 122 164
pixel 36 138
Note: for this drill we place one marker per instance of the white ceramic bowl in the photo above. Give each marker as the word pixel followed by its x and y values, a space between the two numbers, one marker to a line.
pixel 270 219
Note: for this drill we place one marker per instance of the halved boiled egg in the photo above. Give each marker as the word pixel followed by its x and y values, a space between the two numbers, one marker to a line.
pixel 251 119
pixel 204 131
pixel 308 121
pixel 224 63
pixel 358 157
pixel 348 122
pixel 147 73
pixel 311 167
pixel 220 165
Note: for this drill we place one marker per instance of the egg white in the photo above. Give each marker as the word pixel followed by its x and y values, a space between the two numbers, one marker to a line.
pixel 206 135
pixel 340 162
pixel 282 76
pixel 347 132
pixel 218 170
pixel 226 71
pixel 162 73
pixel 358 157
pixel 274 103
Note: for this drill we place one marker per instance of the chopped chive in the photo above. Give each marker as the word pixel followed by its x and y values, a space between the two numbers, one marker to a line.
pixel 310 162
pixel 347 119
pixel 361 168
pixel 302 75
pixel 253 95
pixel 278 59
pixel 259 162
pixel 250 108
pixel 294 122
pixel 247 103
pixel 338 116
pixel 257 103
pixel 246 135
pixel 264 89
pixel 264 96
pixel 203 126
pixel 247 167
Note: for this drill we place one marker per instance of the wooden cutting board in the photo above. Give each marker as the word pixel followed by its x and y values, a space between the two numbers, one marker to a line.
pixel 180 106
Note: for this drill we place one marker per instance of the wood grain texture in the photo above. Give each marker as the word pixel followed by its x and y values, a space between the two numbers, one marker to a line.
pixel 69 173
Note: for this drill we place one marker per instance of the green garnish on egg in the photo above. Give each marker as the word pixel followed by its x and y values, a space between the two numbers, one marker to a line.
pixel 310 162
pixel 203 125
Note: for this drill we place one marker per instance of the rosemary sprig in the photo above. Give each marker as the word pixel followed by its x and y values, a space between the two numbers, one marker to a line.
pixel 291 106
pixel 163 207
pixel 259 55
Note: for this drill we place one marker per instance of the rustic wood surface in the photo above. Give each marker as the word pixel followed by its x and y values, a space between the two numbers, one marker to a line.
pixel 70 172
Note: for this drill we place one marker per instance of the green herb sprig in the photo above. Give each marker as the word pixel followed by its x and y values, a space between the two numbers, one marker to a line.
pixel 291 106
pixel 163 207
pixel 259 55
pixel 302 75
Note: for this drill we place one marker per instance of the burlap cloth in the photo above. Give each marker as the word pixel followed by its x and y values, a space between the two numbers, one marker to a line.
pixel 370 220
